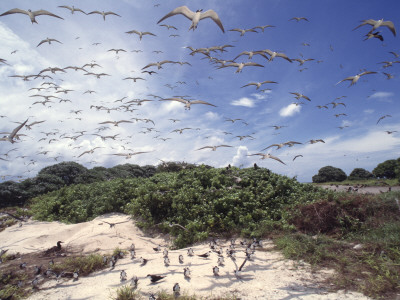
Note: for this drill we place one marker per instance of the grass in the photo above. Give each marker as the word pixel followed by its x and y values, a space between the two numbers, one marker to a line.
pixel 85 264
pixel 127 292
pixel 328 231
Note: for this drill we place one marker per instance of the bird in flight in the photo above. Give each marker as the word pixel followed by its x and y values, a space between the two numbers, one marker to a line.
pixel 267 155
pixel 213 148
pixel 240 66
pixel 48 40
pixel 187 103
pixel 104 14
pixel 195 17
pixel 72 9
pixel 30 13
pixel 11 136
pixel 381 118
pixel 299 19
pixel 378 23
pixel 258 84
pixel 140 33
pixel 355 78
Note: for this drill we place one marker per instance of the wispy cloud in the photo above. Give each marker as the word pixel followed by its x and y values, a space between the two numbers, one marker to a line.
pixel 290 110
pixel 247 102
pixel 381 95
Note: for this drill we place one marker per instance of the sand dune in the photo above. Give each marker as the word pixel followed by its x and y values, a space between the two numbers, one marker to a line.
pixel 268 276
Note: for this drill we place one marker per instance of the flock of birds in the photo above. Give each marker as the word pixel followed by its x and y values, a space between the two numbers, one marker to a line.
pixel 245 250
pixel 55 91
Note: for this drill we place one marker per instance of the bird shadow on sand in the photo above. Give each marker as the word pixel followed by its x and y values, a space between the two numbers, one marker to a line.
pixel 297 291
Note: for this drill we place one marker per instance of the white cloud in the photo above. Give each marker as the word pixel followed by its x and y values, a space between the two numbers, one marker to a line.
pixel 369 111
pixel 212 115
pixel 261 96
pixel 381 95
pixel 241 159
pixel 243 102
pixel 289 110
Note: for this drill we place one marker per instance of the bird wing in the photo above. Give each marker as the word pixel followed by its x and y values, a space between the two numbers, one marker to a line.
pixel 268 81
pixel 276 158
pixel 365 22
pixel 201 102
pixel 214 16
pixel 253 64
pixel 183 10
pixel 15 11
pixel 367 72
pixel 147 32
pixel 347 78
pixel 111 13
pixel 224 146
pixel 205 147
pixel 241 266
pixel 45 12
pixel 14 132
pixel 251 83
pixel 149 65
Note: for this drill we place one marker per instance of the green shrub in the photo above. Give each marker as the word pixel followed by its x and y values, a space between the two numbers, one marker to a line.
pixel 329 173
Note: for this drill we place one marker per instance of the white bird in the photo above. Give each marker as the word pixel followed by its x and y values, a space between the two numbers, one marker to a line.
pixel 104 14
pixel 240 66
pixel 186 272
pixel 188 103
pixel 72 9
pixel 48 40
pixel 258 84
pixel 239 270
pixel 30 13
pixel 123 275
pixel 140 33
pixel 195 17
pixel 264 156
pixel 213 148
pixel 11 136
pixel 355 78
pixel 158 64
pixel 378 23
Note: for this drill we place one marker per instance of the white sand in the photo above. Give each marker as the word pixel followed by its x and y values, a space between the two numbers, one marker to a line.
pixel 269 276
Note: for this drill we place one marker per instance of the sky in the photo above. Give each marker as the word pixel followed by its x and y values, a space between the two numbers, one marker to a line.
pixel 352 139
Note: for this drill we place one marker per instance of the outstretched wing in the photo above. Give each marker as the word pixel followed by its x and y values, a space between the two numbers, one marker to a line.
pixel 14 11
pixel 14 132
pixel 214 16
pixel 45 12
pixel 183 10
pixel 201 102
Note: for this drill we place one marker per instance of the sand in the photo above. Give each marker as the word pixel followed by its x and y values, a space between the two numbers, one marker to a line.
pixel 268 276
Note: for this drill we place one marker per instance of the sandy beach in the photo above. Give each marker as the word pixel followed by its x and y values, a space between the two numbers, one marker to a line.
pixel 268 276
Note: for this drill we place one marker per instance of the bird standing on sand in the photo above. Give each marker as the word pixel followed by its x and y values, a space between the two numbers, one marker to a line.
pixel 195 17
pixel 123 275
pixel 155 278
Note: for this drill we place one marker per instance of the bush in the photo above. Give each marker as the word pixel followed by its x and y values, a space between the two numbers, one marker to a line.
pixel 386 169
pixel 360 174
pixel 329 173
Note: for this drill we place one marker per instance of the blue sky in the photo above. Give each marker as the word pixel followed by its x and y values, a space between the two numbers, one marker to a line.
pixel 328 38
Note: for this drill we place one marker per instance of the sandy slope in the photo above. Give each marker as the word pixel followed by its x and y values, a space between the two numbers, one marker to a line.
pixel 269 276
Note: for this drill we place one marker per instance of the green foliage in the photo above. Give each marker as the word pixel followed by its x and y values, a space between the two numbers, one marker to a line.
pixel 386 169
pixel 203 200
pixel 66 171
pixel 329 173
pixel 360 174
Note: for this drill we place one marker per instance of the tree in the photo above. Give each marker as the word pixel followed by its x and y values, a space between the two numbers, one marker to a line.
pixel 67 171
pixel 329 173
pixel 386 169
pixel 359 174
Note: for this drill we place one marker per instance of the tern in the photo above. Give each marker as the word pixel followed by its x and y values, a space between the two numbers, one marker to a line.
pixel 381 118
pixel 263 27
pixel 11 136
pixel 30 13
pixel 48 40
pixel 378 23
pixel 258 84
pixel 238 270
pixel 264 156
pixel 299 155
pixel 298 96
pixel 140 33
pixel 72 9
pixel 129 155
pixel 195 17
pixel 155 278
pixel 240 66
pixel 104 14
pixel 188 103
pixel 355 78
pixel 299 19
pixel 213 148
pixel 158 64
pixel 243 31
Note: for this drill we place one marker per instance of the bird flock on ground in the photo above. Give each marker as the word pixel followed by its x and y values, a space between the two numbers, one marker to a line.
pixel 50 91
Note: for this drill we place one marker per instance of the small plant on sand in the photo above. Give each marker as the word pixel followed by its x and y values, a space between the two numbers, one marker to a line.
pixel 85 264
pixel 127 292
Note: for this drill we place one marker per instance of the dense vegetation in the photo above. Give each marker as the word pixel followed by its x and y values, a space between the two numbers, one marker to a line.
pixel 202 199
pixel 54 177
pixel 389 169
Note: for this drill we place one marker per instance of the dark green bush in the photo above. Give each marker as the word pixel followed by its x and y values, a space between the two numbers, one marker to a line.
pixel 329 173
pixel 359 174
pixel 386 169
